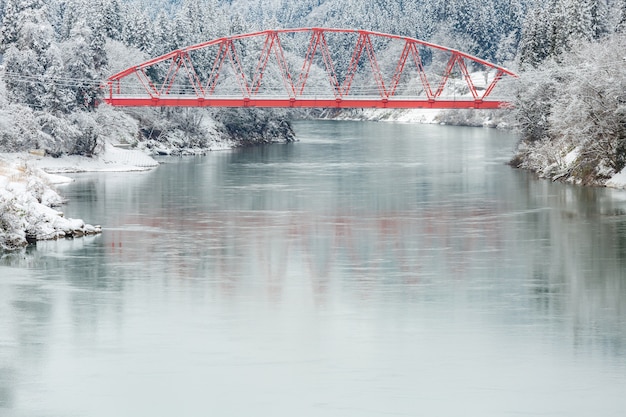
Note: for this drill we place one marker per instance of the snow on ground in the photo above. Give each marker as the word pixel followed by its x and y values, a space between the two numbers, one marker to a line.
pixel 391 115
pixel 111 159
pixel 404 116
pixel 618 180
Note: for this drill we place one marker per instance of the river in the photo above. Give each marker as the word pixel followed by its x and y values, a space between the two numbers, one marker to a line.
pixel 368 269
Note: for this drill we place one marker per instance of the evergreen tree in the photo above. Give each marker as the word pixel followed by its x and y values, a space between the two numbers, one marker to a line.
pixel 25 58
pixel 112 18
pixel 71 13
pixel 17 13
pixel 552 29
pixel 162 35
pixel 620 11
pixel 24 77
pixel 82 59
pixel 582 19
pixel 98 32
pixel 58 96
pixel 136 29
pixel 535 45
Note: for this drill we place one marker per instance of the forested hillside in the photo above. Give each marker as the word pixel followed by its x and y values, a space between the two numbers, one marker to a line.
pixel 55 54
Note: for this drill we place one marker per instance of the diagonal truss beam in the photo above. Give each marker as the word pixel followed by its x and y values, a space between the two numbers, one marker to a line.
pixel 272 42
pixel 457 60
pixel 410 49
pixel 329 65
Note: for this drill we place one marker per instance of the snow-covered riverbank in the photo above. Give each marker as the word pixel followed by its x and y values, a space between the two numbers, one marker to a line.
pixel 476 118
pixel 29 202
pixel 110 159
pixel 550 160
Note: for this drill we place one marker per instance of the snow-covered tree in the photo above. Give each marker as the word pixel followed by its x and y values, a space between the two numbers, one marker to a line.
pixel 83 59
pixel 578 108
pixel 18 13
pixel 25 58
pixel 136 28
pixel 163 42
pixel 58 96
pixel 111 18
pixel 536 45
pixel 555 27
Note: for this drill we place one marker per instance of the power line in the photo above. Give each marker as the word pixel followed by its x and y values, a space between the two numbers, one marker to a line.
pixel 45 80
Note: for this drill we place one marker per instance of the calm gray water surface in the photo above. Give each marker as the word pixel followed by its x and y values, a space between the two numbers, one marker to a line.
pixel 367 270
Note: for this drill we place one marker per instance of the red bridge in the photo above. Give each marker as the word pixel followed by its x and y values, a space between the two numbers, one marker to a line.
pixel 257 70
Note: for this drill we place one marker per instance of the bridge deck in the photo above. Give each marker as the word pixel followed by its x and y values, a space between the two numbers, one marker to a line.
pixel 395 103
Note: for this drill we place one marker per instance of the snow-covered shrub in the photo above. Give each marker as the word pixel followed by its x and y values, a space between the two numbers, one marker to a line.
pixel 591 106
pixel 18 129
pixel 476 118
pixel 12 222
pixel 73 134
pixel 116 126
pixel 86 141
pixel 537 89
pixel 56 134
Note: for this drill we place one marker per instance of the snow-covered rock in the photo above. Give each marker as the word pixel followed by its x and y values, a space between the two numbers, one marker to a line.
pixel 26 207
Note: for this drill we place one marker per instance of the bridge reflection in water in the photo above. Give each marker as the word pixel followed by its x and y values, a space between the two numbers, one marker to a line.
pixel 379 249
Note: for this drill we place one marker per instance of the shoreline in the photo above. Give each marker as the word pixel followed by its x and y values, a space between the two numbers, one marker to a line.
pixel 29 200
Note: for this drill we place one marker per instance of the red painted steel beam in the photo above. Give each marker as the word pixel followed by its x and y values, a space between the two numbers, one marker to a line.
pixel 305 103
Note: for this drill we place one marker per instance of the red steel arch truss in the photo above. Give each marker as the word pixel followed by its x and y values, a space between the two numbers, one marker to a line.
pixel 396 76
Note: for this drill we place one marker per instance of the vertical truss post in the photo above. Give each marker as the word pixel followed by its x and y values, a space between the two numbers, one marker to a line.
pixel 262 64
pixel 181 59
pixel 272 42
pixel 113 86
pixel 192 75
pixel 397 75
pixel 410 48
pixel 422 73
pixel 172 72
pixel 217 68
pixel 284 67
